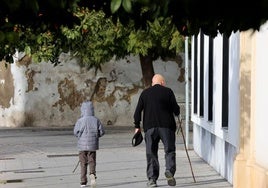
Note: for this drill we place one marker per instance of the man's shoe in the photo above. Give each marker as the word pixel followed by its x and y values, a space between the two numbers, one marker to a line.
pixel 170 178
pixel 92 180
pixel 151 183
pixel 83 185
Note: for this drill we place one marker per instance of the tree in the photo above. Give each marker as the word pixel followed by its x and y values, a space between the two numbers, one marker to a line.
pixel 190 16
pixel 155 34
pixel 94 38
pixel 37 27
pixel 148 36
pixel 159 39
pixel 33 23
pixel 97 38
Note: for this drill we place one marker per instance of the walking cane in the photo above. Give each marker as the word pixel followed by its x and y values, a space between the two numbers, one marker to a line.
pixel 76 166
pixel 180 128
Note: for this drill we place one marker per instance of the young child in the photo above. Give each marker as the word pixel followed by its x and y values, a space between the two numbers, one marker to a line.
pixel 88 129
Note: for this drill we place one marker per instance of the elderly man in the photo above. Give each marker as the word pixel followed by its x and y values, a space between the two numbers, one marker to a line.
pixel 158 105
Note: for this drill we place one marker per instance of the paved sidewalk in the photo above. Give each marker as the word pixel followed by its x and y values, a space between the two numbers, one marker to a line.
pixel 46 158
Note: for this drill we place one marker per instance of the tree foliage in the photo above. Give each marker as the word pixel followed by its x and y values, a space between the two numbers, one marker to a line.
pixel 93 37
pixel 33 27
pixel 95 30
pixel 159 39
pixel 210 16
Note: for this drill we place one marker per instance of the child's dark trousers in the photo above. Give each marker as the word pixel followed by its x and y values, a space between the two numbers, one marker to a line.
pixel 87 158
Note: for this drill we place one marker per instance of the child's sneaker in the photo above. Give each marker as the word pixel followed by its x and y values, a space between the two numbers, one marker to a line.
pixel 92 180
pixel 83 185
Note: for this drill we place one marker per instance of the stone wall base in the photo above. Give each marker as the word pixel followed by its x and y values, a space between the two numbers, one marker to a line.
pixel 248 174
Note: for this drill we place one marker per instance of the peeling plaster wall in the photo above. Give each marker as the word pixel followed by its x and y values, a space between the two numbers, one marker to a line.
pixel 6 85
pixel 44 96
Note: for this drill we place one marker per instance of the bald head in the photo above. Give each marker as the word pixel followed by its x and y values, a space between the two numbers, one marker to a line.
pixel 158 79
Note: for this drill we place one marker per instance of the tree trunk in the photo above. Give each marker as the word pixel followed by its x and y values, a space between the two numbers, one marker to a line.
pixel 147 69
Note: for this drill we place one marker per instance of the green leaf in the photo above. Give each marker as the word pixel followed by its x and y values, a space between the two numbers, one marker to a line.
pixel 115 5
pixel 127 5
pixel 144 2
pixel 2 36
pixel 27 50
pixel 12 37
pixel 32 5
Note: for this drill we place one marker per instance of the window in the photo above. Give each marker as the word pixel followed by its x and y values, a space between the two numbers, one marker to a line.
pixel 225 81
pixel 195 74
pixel 201 76
pixel 210 79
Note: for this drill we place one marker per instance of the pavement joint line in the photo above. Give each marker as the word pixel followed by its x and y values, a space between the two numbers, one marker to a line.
pixel 11 181
pixel 8 158
pixel 29 171
pixel 62 155
pixel 22 170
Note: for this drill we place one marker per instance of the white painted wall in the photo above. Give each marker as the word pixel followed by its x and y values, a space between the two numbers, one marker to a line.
pixel 261 93
pixel 215 127
pixel 217 145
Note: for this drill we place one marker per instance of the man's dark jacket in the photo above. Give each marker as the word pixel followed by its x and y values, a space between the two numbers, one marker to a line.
pixel 159 106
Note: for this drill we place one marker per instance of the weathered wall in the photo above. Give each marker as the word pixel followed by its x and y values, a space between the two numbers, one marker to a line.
pixel 251 163
pixel 44 95
pixel 6 89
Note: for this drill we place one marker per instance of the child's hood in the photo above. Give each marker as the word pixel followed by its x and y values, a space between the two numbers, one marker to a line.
pixel 87 109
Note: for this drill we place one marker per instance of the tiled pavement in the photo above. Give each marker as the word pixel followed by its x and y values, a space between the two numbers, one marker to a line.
pixel 46 158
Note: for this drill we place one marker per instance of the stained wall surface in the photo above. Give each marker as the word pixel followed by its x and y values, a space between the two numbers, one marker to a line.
pixel 42 95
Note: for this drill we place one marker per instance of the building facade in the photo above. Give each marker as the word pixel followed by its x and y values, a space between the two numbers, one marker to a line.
pixel 228 105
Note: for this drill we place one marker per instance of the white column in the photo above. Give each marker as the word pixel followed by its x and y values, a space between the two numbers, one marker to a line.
pixel 186 94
